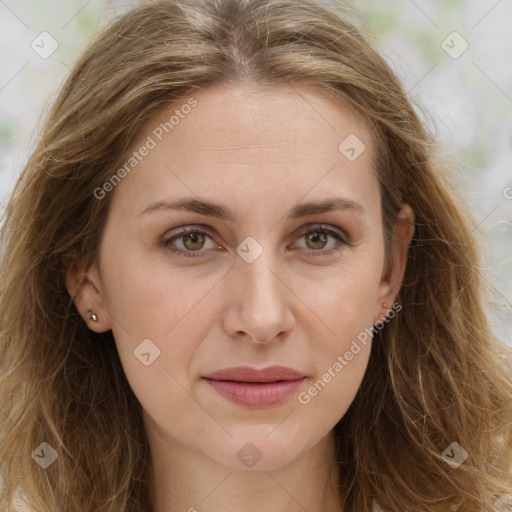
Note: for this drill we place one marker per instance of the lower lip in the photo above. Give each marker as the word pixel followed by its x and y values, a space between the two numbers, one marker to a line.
pixel 256 394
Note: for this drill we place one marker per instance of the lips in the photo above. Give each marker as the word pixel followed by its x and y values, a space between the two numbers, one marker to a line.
pixel 247 386
pixel 248 374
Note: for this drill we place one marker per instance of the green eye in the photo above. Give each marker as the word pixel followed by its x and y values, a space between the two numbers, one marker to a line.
pixel 194 240
pixel 317 238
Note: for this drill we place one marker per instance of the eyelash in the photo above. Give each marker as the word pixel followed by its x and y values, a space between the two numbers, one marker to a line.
pixel 313 229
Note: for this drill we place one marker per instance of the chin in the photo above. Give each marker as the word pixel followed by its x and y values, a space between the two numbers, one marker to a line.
pixel 249 449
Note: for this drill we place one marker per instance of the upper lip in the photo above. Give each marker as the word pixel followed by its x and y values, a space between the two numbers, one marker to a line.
pixel 248 374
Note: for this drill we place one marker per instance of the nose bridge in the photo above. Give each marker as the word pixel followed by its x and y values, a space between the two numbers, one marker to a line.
pixel 259 306
pixel 257 279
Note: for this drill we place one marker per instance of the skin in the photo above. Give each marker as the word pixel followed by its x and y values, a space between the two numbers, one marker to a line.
pixel 260 154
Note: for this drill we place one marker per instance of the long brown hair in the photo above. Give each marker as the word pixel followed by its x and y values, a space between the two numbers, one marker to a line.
pixel 436 374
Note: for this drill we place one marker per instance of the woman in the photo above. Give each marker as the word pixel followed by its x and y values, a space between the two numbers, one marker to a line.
pixel 235 278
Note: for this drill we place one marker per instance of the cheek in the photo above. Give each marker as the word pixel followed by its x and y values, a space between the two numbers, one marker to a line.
pixel 329 395
pixel 345 301
pixel 345 306
pixel 149 296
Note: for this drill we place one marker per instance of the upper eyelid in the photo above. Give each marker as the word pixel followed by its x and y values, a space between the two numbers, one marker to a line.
pixel 208 229
pixel 193 228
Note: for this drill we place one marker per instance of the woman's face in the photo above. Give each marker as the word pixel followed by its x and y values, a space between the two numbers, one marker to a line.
pixel 252 288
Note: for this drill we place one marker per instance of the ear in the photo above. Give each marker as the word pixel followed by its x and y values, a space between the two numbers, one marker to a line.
pixel 393 275
pixel 85 289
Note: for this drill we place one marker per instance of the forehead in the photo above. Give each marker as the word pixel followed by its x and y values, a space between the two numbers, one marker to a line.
pixel 245 115
pixel 259 144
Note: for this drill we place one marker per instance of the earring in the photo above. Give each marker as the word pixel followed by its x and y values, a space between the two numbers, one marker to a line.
pixel 93 317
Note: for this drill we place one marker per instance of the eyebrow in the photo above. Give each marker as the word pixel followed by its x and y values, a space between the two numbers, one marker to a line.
pixel 219 211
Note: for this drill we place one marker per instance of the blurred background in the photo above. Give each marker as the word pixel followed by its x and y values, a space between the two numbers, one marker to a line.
pixel 453 57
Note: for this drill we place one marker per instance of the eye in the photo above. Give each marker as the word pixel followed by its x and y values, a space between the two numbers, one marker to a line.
pixel 192 240
pixel 316 239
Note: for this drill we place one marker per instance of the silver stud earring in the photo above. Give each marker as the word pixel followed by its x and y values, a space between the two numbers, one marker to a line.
pixel 93 317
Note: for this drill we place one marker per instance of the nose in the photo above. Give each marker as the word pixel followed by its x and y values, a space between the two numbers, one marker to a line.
pixel 259 307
